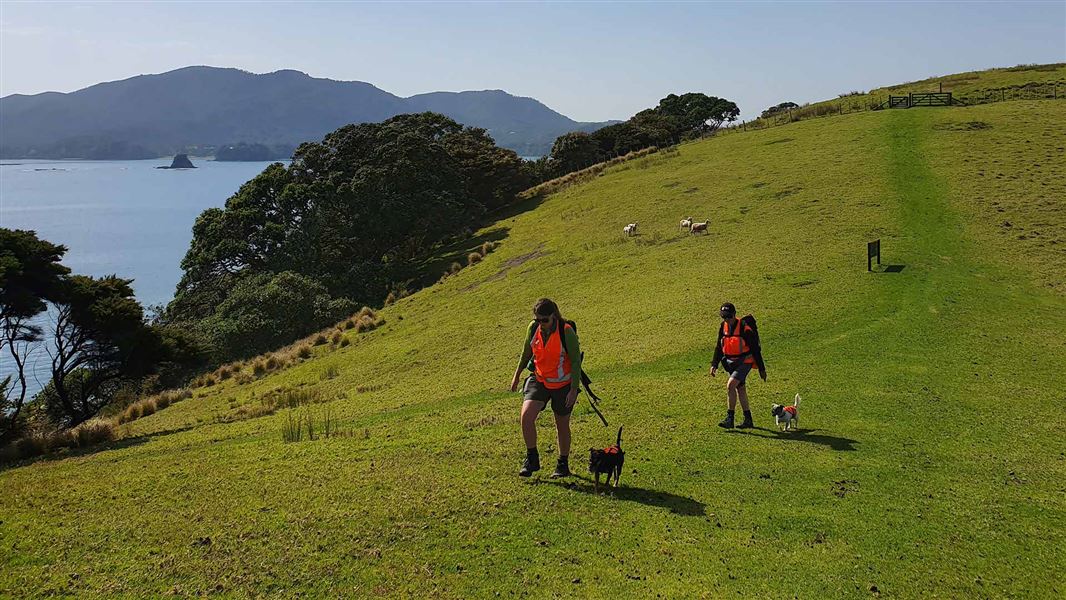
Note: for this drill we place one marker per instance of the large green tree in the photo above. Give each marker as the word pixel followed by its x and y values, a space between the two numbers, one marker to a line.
pixel 574 151
pixel 265 311
pixel 99 341
pixel 697 113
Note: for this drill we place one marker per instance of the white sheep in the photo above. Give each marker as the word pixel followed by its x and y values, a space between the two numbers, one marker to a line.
pixel 627 230
pixel 686 223
pixel 698 227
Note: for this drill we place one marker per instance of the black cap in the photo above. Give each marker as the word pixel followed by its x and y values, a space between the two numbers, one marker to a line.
pixel 727 310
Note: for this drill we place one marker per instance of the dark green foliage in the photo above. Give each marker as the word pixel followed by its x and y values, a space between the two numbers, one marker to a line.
pixel 697 113
pixel 342 222
pixel 100 341
pixel 573 152
pixel 778 108
pixel 674 119
pixel 30 275
pixel 265 311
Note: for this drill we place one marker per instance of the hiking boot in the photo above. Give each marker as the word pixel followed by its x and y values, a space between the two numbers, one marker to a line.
pixel 531 464
pixel 562 469
pixel 746 424
pixel 727 422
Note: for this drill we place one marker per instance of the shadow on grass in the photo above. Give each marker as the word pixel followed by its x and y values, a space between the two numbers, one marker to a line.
pixel 801 435
pixel 679 505
pixel 893 268
pixel 430 271
pixel 65 453
pixel 515 208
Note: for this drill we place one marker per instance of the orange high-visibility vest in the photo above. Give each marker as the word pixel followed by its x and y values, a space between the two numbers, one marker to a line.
pixel 550 360
pixel 734 346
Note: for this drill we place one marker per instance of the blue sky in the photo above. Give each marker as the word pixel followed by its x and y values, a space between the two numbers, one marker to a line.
pixel 590 61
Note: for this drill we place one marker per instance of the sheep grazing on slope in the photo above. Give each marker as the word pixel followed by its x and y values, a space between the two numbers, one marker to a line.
pixel 630 229
pixel 686 223
pixel 698 228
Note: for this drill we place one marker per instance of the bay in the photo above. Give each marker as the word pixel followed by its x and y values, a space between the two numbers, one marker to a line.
pixel 118 217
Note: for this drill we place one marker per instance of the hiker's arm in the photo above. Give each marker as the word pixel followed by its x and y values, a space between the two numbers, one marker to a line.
pixel 717 351
pixel 527 353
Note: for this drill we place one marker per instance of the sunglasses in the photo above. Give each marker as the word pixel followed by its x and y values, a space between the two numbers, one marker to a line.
pixel 540 319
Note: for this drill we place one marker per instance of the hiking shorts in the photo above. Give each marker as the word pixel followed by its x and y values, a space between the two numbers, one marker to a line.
pixel 737 370
pixel 537 391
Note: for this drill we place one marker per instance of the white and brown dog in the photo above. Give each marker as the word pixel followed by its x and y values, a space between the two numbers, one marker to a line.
pixel 785 416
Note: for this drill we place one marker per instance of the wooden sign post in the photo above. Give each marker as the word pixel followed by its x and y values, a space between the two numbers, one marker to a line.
pixel 873 249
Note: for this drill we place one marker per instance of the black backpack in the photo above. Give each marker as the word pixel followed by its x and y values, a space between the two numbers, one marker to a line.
pixel 749 320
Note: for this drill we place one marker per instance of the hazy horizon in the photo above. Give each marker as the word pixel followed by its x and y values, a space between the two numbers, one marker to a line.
pixel 588 61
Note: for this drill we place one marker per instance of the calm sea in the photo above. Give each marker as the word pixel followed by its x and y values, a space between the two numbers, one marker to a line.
pixel 122 217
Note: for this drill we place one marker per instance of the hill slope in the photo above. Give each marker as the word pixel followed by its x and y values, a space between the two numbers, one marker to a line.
pixel 153 115
pixel 932 399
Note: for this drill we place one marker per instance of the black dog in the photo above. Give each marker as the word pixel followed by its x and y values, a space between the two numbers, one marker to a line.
pixel 609 461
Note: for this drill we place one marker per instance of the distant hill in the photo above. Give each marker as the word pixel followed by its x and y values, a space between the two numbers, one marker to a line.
pixel 200 109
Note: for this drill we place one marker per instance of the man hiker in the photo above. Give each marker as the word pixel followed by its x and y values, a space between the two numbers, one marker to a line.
pixel 552 344
pixel 738 350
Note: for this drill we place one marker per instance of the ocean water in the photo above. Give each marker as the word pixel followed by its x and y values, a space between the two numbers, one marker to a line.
pixel 121 217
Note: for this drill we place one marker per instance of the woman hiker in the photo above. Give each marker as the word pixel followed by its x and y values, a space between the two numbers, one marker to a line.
pixel 738 350
pixel 552 344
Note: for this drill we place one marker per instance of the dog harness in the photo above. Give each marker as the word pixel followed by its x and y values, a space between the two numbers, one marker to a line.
pixel 733 345
pixel 552 364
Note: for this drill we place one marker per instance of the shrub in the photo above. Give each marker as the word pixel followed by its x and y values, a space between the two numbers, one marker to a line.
pixel 93 431
pixel 487 247
pixel 336 338
pixel 148 407
pixel 473 258
pixel 304 351
pixel 320 339
pixel 367 324
pixel 243 378
pixel 162 401
pixel 366 311
pixel 224 373
pixel 345 342
pixel 350 323
pixel 271 362
pixel 330 372
pixel 133 412
pixel 455 268
pixel 259 367
pixel 209 380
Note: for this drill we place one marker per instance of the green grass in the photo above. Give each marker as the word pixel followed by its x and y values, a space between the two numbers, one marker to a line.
pixel 932 463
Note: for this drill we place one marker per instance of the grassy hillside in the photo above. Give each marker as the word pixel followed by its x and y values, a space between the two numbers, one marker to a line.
pixel 931 461
pixel 1023 82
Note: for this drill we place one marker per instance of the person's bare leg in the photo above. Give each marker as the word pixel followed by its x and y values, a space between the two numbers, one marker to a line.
pixel 530 410
pixel 731 392
pixel 562 426
pixel 742 394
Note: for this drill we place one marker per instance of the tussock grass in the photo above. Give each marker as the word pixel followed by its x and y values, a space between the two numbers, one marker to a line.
pixel 85 435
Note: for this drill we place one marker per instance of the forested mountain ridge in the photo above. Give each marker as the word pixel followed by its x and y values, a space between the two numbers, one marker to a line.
pixel 199 109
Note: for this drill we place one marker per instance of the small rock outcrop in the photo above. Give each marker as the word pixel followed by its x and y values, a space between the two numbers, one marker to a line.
pixel 181 161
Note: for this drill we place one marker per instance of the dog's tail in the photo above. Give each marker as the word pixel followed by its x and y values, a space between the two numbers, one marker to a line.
pixel 619 443
pixel 796 402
